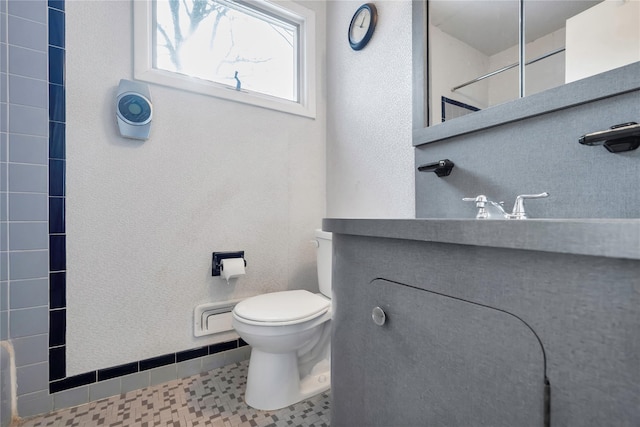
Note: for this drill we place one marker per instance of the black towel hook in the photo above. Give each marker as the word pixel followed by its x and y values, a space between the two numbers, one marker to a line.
pixel 441 167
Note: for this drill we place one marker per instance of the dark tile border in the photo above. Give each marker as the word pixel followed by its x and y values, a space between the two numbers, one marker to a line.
pixel 72 382
pixel 57 365
pixel 57 290
pixel 118 371
pixel 192 354
pixel 57 238
pixel 57 25
pixel 57 327
pixel 223 346
pixel 158 361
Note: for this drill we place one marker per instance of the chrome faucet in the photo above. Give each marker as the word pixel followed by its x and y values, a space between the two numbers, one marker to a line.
pixel 518 207
pixel 518 211
pixel 481 202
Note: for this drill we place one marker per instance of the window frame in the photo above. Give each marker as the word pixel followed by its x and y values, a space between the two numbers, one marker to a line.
pixel 143 69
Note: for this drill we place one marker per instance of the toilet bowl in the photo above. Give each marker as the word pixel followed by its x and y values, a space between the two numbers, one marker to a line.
pixel 289 333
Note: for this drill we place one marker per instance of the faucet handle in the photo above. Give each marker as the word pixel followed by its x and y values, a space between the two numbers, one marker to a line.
pixel 480 201
pixel 518 207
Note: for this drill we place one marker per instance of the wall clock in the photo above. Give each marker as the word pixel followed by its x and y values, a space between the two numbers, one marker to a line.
pixel 362 26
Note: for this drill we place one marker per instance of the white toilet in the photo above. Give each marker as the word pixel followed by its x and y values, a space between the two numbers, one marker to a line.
pixel 289 333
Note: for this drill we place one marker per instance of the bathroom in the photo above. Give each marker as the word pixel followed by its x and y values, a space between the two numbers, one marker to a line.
pixel 141 219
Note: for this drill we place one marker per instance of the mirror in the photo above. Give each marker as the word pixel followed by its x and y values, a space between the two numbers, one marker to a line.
pixel 473 49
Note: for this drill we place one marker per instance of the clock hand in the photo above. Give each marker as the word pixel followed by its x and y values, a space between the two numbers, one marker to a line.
pixel 362 22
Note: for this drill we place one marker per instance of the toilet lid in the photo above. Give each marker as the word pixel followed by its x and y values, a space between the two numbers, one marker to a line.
pixel 286 306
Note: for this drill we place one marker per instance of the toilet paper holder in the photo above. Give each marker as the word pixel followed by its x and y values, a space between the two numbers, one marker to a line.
pixel 216 264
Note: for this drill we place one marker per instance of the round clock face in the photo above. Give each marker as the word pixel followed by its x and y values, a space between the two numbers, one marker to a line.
pixel 362 25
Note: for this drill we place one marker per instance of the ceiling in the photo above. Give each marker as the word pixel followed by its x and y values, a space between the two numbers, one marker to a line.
pixel 491 26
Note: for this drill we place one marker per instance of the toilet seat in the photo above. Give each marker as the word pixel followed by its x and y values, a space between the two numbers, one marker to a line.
pixel 281 308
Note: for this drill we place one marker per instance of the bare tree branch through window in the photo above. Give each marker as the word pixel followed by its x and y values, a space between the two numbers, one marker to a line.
pixel 214 41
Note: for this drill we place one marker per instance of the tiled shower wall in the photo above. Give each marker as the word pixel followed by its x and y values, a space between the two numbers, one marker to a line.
pixel 24 197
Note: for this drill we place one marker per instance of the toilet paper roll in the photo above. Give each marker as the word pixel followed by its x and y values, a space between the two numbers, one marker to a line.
pixel 232 267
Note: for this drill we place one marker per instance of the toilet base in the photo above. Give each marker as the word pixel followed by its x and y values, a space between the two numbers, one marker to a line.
pixel 273 380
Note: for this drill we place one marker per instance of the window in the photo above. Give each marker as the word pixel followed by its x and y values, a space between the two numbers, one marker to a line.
pixel 256 52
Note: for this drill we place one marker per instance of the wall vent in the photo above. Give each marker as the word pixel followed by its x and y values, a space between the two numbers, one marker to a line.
pixel 213 318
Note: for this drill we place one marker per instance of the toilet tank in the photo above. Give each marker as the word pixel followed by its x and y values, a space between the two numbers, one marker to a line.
pixel 325 256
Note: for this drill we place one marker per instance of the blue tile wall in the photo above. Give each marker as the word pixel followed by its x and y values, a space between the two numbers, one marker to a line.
pixel 24 234
pixel 30 350
pixel 31 10
pixel 29 293
pixel 28 63
pixel 27 207
pixel 26 32
pixel 24 191
pixel 28 149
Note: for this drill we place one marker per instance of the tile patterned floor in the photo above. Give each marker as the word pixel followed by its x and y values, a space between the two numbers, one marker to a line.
pixel 215 398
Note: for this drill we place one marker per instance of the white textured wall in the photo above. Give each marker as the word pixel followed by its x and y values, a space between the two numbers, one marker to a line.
pixel 370 171
pixel 144 217
pixel 602 38
pixel 539 76
pixel 454 62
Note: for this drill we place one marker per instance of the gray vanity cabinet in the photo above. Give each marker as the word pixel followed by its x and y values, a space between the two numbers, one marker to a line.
pixel 436 361
pixel 471 332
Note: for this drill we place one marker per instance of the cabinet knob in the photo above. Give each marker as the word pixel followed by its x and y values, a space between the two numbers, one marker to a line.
pixel 378 316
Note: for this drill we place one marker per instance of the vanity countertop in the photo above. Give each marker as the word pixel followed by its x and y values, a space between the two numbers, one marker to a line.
pixel 613 238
